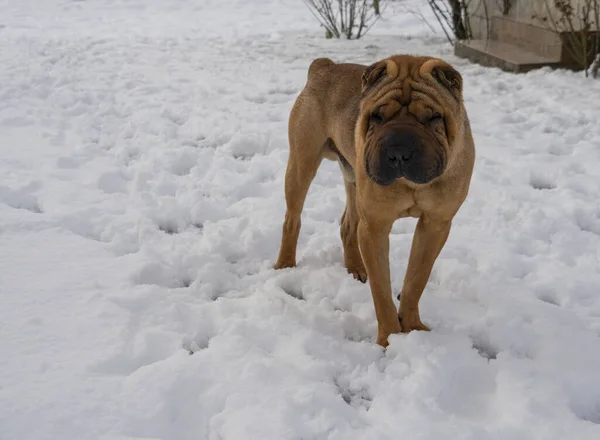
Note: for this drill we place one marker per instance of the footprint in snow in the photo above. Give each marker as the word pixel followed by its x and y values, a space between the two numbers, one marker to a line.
pixel 159 275
pixel 484 348
pixel 256 99
pixel 195 143
pixel 175 117
pixel 589 412
pixel 283 91
pixel 196 344
pixel 354 397
pixel 291 285
pixel 294 292
pixel 243 157
pixel 168 228
pixel 588 222
pixel 19 199
pixel 549 299
pixel 541 183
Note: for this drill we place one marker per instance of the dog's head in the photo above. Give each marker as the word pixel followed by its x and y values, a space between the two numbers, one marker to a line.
pixel 411 114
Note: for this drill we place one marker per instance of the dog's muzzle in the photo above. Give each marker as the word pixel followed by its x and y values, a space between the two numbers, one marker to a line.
pixel 402 153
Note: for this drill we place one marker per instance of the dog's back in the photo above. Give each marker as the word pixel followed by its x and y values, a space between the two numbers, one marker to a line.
pixel 329 105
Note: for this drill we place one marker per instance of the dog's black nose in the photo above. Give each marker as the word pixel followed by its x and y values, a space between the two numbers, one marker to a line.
pixel 398 155
pixel 399 148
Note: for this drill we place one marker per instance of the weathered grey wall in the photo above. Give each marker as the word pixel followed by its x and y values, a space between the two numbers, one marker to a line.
pixel 525 11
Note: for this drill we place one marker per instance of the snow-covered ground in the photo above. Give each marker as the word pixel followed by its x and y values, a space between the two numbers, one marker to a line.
pixel 142 152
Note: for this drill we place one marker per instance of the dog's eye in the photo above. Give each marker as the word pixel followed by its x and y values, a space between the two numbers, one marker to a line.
pixel 376 117
pixel 435 117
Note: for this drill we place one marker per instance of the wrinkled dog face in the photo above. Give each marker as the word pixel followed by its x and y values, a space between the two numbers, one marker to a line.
pixel 410 115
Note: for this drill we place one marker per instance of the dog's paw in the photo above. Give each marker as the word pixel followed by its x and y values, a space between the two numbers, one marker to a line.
pixel 382 340
pixel 359 274
pixel 284 264
pixel 384 333
pixel 409 323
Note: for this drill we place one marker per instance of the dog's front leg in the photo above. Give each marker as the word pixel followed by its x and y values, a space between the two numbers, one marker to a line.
pixel 374 244
pixel 428 241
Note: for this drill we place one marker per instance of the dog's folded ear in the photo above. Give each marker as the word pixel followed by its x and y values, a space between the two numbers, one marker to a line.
pixel 449 77
pixel 373 74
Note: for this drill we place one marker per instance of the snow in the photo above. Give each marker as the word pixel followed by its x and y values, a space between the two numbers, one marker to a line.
pixel 143 149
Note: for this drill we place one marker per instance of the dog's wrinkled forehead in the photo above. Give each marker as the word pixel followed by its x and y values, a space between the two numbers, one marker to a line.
pixel 386 70
pixel 405 72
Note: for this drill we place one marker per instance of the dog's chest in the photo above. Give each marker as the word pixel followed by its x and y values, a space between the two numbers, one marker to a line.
pixel 413 211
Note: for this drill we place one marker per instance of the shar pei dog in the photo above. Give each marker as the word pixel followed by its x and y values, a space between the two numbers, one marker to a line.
pixel 401 135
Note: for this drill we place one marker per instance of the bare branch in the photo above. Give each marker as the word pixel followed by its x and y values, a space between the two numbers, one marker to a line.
pixel 453 17
pixel 348 18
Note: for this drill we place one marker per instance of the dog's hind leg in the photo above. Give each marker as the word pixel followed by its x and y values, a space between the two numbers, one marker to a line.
pixel 306 154
pixel 348 231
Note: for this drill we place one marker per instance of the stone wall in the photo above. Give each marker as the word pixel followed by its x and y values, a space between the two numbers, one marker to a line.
pixel 530 12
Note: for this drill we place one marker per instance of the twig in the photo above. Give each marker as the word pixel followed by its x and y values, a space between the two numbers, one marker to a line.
pixel 348 18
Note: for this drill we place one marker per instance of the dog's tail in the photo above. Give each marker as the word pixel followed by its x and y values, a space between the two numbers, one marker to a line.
pixel 318 64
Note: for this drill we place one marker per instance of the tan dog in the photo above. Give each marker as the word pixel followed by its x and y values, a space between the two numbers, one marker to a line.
pixel 400 132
